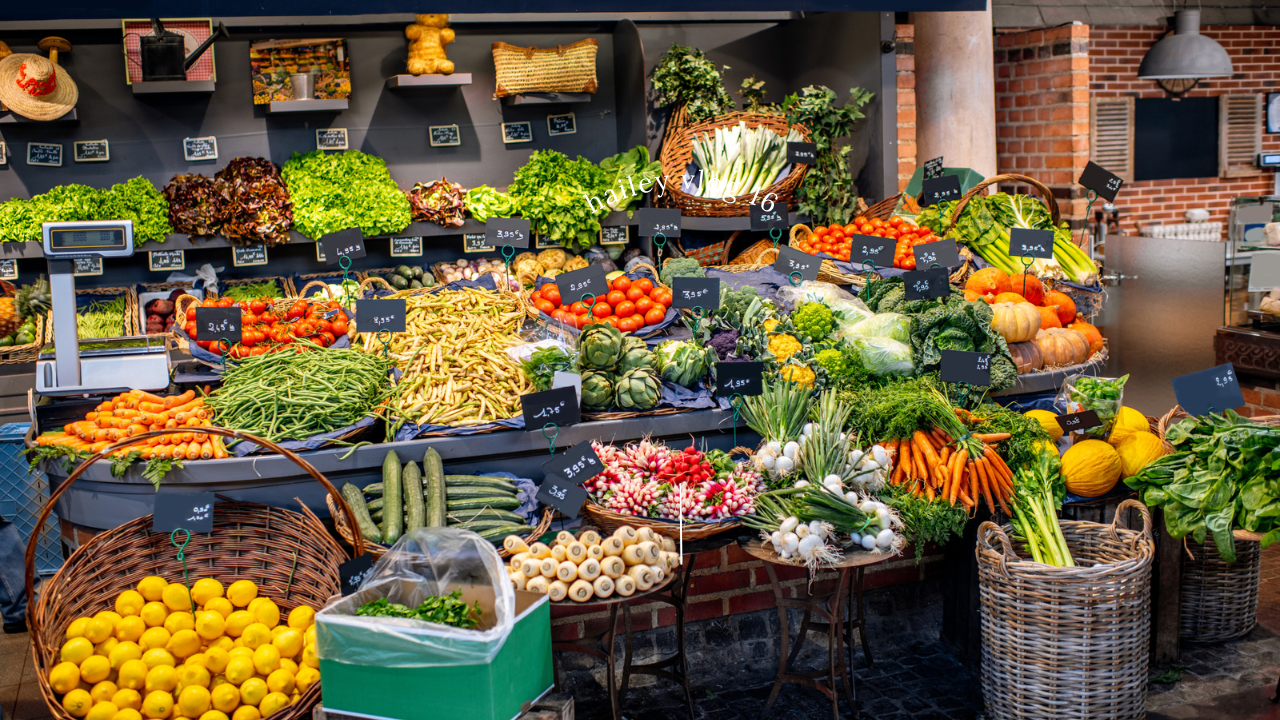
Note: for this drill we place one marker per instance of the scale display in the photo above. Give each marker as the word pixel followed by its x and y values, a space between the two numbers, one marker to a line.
pixel 88 239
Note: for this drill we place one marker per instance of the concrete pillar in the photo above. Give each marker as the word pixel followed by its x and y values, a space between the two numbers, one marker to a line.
pixel 955 89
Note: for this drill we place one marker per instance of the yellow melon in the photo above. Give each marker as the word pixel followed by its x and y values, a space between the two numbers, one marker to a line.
pixel 1090 468
pixel 1137 450
pixel 1127 422
pixel 1049 421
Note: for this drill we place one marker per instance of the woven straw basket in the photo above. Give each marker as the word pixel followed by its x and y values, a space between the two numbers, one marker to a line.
pixel 289 555
pixel 1045 193
pixel 1067 643
pixel 565 69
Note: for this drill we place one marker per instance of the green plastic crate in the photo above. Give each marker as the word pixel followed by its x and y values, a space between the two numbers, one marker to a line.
pixel 23 494
pixel 968 178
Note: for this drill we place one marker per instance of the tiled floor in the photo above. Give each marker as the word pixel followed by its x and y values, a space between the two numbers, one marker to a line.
pixel 19 694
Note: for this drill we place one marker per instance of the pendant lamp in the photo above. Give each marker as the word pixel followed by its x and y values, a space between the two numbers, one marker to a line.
pixel 1186 54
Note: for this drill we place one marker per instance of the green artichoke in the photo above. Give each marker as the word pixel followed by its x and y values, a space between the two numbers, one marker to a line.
pixel 682 362
pixel 600 347
pixel 636 354
pixel 597 390
pixel 637 390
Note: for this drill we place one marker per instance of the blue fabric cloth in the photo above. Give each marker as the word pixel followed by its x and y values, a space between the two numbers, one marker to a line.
pixel 244 447
pixel 13 580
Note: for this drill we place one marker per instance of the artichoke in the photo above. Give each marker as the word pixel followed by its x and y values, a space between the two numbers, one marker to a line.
pixel 597 390
pixel 600 347
pixel 637 390
pixel 636 354
pixel 682 362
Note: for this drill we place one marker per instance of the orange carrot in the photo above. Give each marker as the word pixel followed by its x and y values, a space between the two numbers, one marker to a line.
pixel 193 451
pixel 219 450
pixel 175 400
pixel 206 450
pixel 986 484
pixel 956 472
pixel 992 437
pixel 150 407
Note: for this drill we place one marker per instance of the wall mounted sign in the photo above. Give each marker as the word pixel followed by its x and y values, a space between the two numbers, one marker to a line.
pixel 158 260
pixel 247 255
pixel 444 135
pixel 91 151
pixel 331 138
pixel 44 154
pixel 406 247
pixel 85 267
pixel 517 132
pixel 562 124
pixel 200 148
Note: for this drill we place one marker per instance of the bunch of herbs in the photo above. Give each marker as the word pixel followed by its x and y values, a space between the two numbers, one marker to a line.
pixel 444 609
pixel 828 194
pixel 685 76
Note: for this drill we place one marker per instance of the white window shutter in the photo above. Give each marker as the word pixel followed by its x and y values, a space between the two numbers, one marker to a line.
pixel 1111 134
pixel 1239 134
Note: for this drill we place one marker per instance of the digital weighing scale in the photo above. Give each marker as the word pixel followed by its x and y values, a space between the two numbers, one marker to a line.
pixel 109 365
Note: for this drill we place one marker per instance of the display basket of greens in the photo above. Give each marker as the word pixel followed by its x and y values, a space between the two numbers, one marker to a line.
pixel 103 313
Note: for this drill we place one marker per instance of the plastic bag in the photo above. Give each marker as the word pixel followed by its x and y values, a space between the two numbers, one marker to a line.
pixel 425 562
pixel 1104 396
pixel 884 356
pixel 849 309
pixel 893 326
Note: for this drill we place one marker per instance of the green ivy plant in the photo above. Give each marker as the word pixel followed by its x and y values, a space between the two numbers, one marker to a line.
pixel 828 194
pixel 752 93
pixel 685 75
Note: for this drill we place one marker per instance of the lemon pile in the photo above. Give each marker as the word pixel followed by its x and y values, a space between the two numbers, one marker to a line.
pixel 152 657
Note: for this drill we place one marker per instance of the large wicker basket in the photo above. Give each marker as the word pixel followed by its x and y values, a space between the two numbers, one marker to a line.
pixel 129 326
pixel 1067 643
pixel 565 69
pixel 1045 193
pixel 289 555
pixel 1219 600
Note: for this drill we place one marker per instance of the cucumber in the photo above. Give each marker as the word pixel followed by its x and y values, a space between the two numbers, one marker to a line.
pixel 355 499
pixel 398 282
pixel 433 471
pixel 496 483
pixel 415 510
pixel 498 533
pixel 500 502
pixel 463 516
pixel 375 504
pixel 404 271
pixel 392 512
pixel 466 491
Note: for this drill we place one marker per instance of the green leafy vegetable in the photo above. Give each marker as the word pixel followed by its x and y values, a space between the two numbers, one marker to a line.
pixel 685 75
pixel 554 193
pixel 484 202
pixel 924 521
pixel 336 191
pixel 137 200
pixel 444 609
pixel 626 173
pixel 542 365
pixel 828 194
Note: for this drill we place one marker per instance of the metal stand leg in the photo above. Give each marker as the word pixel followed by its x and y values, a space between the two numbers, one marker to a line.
pixel 830 611
pixel 605 653
pixel 675 667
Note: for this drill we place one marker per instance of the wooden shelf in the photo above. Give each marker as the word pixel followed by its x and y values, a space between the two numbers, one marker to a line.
pixel 13 117
pixel 287 106
pixel 547 98
pixel 418 82
pixel 171 86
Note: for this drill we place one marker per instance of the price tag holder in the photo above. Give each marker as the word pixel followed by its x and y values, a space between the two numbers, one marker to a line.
pixel 374 316
pixel 91 151
pixel 804 153
pixel 936 190
pixel 565 494
pixel 869 248
pixel 792 260
pixel 215 323
pixel 517 132
pixel 354 572
pixel 191 511
pixel 344 243
pixel 943 253
pixel 926 284
pixel 85 267
pixel 159 260
pixel 331 138
pixel 507 231
pixel 933 168
pixel 1213 390
pixel 1102 181
pixel 44 154
pixel 1025 242
pixel 200 148
pixel 9 269
pixel 1264 270
pixel 248 255
pixel 562 124
pixel 615 234
pixel 765 220
pixel 558 406
pixel 739 378
pixel 655 221
pixel 475 243
pixel 588 280
pixel 691 292
pixel 959 366
pixel 1076 422
pixel 406 247
pixel 542 242
pixel 444 135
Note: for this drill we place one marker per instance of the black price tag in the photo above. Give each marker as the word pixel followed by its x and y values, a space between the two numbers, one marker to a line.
pixel 942 253
pixel 739 378
pixel 936 190
pixel 1209 391
pixel 1025 242
pixel 1077 422
pixel 44 154
pixel 344 243
pixel 331 139
pixel 792 260
pixel 201 148
pixel 507 231
pixel 353 572
pixel 926 284
pixel 406 247
pixel 244 255
pixel 1100 180
pixel 589 280
pixel 216 323
pixel 561 124
pixel 691 292
pixel 444 135
pixel 82 267
pixel 869 248
pixel 614 234
pixel 475 243
pixel 8 269
pixel 191 511
pixel 579 463
pixel 374 316
pixel 563 495
pixel 517 132
pixel 959 366
pixel 542 242
pixel 764 220
pixel 558 406
pixel 933 168
pixel 159 260
pixel 91 151
pixel 804 153
pixel 659 221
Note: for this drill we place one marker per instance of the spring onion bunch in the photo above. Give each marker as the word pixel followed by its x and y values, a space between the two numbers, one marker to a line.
pixel 1037 495
pixel 740 160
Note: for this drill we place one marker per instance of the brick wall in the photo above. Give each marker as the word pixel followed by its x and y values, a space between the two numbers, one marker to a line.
pixel 904 40
pixel 1261 396
pixel 1042 110
pixel 1114 54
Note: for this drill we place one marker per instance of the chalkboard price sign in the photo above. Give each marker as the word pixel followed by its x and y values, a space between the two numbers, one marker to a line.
pixel 563 494
pixel 200 148
pixel 869 248
pixel 354 572
pixel 216 323
pixel 960 366
pixel 656 221
pixel 615 234
pixel 804 153
pixel 4 154
pixel 517 132
pixel 579 463
pixel 159 260
pixel 924 284
pixel 44 154
pixel 331 138
pixel 1100 180
pixel 476 243
pixel 936 190
pixel 84 267
pixel 589 280
pixel 444 135
pixel 191 511
pixel 374 316
pixel 406 247
pixel 8 269
pixel 692 292
pixel 344 243
pixel 507 231
pixel 1209 391
pixel 562 124
pixel 1077 422
pixel 764 220
pixel 933 168
pixel 942 253
pixel 247 255
pixel 558 406
pixel 1029 243
pixel 91 151
pixel 739 378
pixel 792 260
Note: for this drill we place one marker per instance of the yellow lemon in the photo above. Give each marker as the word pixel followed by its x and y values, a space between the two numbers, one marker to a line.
pixel 64 677
pixel 193 675
pixel 214 715
pixel 110 616
pixel 152 588
pixel 128 714
pixel 180 621
pixel 103 691
pixel 220 605
pixel 194 701
pixel 242 592
pixel 225 697
pixel 267 612
pixel 216 659
pixel 273 702
pixel 176 597
pixel 240 651
pixel 127 698
pixel 130 602
pixel 287 664
pixel 76 650
pixel 239 669
pixel 105 647
pixel 156 637
pixel 132 675
pixel 289 643
pixel 154 614
pixel 76 628
pixel 157 657
pixel 246 712
pixel 305 676
pixel 281 681
pixel 130 628
pixel 95 669
pixel 102 710
pixel 301 617
pixel 98 629
pixel 157 705
pixel 277 631
pixel 238 643
pixel 309 656
pixel 197 659
pixel 217 681
pixel 224 643
pixel 256 635
pixel 184 643
pixel 205 589
pixel 209 624
pixel 266 659
pixel 252 691
pixel 122 653
pixel 309 637
pixel 238 621
pixel 77 702
pixel 162 678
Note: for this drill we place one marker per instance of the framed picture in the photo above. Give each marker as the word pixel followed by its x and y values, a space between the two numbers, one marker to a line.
pixel 1273 112
pixel 193 31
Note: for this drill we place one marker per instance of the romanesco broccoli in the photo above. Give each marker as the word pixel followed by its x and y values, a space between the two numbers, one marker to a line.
pixel 813 320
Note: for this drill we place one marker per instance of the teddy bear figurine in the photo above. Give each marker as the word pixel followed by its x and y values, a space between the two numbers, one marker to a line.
pixel 428 36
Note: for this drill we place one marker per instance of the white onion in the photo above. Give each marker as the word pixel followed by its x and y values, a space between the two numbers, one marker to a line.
pixel 790 449
pixel 802 531
pixel 855 456
pixel 868 542
pixel 775 537
pixel 882 514
pixel 851 497
pixel 884 539
pixel 785 464
pixel 855 538
pixel 768 462
pixel 816 528
pixel 789 524
pixel 868 506
pixel 774 447
pixel 881 455
pixel 808 429
pixel 790 541
pixel 809 546
pixel 802 483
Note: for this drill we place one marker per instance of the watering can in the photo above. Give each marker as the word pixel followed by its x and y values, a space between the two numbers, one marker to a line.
pixel 162 53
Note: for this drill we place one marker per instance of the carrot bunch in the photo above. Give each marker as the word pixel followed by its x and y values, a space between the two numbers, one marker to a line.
pixel 136 412
pixel 937 466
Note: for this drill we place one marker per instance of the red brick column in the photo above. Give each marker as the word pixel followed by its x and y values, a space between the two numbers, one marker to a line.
pixel 904 40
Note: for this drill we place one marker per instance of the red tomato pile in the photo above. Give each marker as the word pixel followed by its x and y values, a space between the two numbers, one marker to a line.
pixel 263 331
pixel 629 306
pixel 837 241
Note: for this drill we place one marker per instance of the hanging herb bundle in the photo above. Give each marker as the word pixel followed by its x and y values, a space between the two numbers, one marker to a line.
pixel 685 76
pixel 828 195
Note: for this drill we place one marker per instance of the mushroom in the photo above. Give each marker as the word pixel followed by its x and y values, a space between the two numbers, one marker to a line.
pixel 54 45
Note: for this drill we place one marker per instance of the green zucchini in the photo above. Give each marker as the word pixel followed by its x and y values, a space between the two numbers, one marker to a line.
pixel 496 483
pixel 415 511
pixel 457 493
pixel 392 512
pixel 500 502
pixel 434 497
pixel 375 504
pixel 355 499
pixel 457 517
pixel 498 533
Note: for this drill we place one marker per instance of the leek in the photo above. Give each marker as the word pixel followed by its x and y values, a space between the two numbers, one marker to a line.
pixel 739 160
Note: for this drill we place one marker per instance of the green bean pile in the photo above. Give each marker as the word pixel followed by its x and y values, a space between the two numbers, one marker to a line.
pixel 292 395
pixel 101 319
pixel 253 290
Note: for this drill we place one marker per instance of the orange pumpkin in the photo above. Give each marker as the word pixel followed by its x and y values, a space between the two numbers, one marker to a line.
pixel 1066 306
pixel 988 281
pixel 1029 287
pixel 1090 333
pixel 1010 297
pixel 1059 347
pixel 1049 317
pixel 971 295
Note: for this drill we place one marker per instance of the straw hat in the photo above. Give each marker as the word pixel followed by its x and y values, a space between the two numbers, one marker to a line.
pixel 35 87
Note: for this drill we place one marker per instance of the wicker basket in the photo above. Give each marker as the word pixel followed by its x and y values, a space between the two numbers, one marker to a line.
pixel 609 521
pixel 768 254
pixel 677 153
pixel 717 253
pixel 27 352
pixel 130 327
pixel 1045 193
pixel 1219 600
pixel 289 555
pixel 563 69
pixel 1067 643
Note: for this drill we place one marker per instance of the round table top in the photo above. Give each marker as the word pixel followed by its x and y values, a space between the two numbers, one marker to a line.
pixel 615 598
pixel 852 558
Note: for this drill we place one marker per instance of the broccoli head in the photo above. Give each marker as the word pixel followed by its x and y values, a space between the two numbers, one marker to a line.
pixel 725 343
pixel 680 267
pixel 813 320
pixel 832 360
